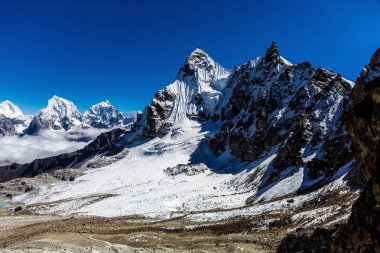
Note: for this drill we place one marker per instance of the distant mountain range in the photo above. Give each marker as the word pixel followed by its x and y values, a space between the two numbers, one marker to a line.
pixel 61 114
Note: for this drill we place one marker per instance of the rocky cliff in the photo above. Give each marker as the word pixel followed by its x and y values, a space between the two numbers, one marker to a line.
pixel 362 231
pixel 363 228
pixel 297 109
pixel 6 127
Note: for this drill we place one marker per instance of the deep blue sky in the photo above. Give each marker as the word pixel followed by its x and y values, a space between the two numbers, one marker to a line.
pixel 124 51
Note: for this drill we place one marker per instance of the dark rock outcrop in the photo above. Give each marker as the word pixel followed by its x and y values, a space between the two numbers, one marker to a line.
pixel 153 121
pixel 362 231
pixel 363 227
pixel 296 108
pixel 6 127
pixel 106 143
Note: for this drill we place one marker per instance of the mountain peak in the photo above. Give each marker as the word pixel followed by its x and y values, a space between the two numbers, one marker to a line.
pixel 197 61
pixel 58 103
pixel 105 103
pixel 198 56
pixel 6 102
pixel 56 98
pixel 10 110
pixel 60 107
pixel 102 115
pixel 372 69
pixel 375 60
pixel 272 51
pixel 101 104
pixel 198 50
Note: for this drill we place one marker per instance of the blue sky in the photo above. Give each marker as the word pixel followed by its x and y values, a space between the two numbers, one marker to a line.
pixel 124 51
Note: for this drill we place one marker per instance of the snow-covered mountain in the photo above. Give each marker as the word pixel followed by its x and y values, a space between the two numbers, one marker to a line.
pixel 194 94
pixel 267 137
pixel 12 119
pixel 265 105
pixel 10 110
pixel 129 118
pixel 102 115
pixel 295 110
pixel 57 115
pixel 62 114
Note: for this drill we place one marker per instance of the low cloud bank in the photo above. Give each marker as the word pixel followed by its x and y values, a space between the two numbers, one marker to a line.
pixel 14 149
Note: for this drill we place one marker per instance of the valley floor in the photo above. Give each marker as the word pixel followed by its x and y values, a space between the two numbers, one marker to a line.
pixel 37 233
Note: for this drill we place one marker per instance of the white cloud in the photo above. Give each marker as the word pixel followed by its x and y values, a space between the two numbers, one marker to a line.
pixel 48 143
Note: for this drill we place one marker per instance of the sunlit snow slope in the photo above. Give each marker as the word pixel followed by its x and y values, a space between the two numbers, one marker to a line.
pixel 141 185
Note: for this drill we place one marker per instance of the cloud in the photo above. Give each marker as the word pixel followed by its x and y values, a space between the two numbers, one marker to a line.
pixel 48 143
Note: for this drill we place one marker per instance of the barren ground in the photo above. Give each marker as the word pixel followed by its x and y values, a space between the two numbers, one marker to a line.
pixel 25 232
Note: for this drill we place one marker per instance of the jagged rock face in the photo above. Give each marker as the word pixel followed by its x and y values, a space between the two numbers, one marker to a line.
pixel 362 231
pixel 6 127
pixel 59 114
pixel 363 228
pixel 271 102
pixel 154 119
pixel 102 115
pixel 194 94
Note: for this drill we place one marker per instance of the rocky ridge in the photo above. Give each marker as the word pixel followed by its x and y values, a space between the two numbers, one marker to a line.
pixel 294 108
pixel 362 232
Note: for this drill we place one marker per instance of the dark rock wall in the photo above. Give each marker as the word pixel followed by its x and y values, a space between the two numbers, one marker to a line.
pixel 361 234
